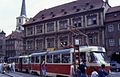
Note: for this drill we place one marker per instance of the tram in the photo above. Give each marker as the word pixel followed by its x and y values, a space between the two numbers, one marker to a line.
pixel 58 62
pixel 22 63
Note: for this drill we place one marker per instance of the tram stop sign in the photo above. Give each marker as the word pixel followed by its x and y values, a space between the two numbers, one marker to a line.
pixel 77 43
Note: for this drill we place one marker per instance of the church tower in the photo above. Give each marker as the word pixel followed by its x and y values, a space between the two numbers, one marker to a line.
pixel 22 19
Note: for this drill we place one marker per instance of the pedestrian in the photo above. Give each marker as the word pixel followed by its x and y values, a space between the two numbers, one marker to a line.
pixel 1 67
pixel 13 66
pixel 102 72
pixel 43 69
pixel 72 72
pixel 94 73
pixel 82 68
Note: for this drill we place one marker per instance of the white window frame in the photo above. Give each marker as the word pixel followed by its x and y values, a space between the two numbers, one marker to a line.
pixel 111 42
pixel 110 28
pixel 119 27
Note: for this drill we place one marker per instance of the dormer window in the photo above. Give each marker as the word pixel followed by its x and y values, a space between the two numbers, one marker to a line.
pixel 74 7
pixel 91 6
pixel 51 13
pixel 43 17
pixel 65 12
pixel 77 10
pixel 87 4
pixel 62 10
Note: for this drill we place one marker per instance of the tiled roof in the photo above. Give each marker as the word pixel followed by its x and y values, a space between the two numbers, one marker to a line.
pixel 15 35
pixel 113 9
pixel 113 14
pixel 66 9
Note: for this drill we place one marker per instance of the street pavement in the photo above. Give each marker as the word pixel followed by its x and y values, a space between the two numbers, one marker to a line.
pixel 19 74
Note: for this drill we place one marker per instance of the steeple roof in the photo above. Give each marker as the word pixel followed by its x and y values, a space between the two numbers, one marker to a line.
pixel 23 9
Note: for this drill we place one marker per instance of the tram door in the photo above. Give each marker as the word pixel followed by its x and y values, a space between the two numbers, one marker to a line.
pixel 20 64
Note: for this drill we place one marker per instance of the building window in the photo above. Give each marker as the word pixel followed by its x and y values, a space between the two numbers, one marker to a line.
pixel 111 42
pixel 50 27
pixel 119 26
pixel 92 20
pixel 29 30
pixel 92 39
pixel 63 24
pixel 30 45
pixel 39 28
pixel 77 22
pixel 63 41
pixel 19 21
pixel 39 44
pixel 110 28
pixel 50 42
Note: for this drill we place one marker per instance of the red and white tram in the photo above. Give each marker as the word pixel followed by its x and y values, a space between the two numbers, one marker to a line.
pixel 22 63
pixel 58 62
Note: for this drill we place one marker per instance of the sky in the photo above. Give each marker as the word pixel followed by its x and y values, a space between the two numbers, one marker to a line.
pixel 10 9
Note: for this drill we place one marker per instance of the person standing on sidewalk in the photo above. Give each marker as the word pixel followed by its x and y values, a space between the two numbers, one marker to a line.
pixel 102 72
pixel 94 73
pixel 43 69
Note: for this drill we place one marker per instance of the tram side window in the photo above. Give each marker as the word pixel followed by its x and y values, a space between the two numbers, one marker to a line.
pixel 37 59
pixel 56 58
pixel 32 59
pixel 65 58
pixel 83 55
pixel 24 60
pixel 42 58
pixel 92 58
pixel 49 58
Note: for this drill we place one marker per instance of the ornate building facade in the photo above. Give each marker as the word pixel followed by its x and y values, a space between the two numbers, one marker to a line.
pixel 51 28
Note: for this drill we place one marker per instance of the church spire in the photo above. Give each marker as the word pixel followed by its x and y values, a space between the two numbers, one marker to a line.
pixel 23 9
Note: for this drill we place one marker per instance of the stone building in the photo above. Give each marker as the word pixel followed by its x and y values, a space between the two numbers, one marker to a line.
pixel 14 44
pixel 2 45
pixel 52 28
pixel 112 30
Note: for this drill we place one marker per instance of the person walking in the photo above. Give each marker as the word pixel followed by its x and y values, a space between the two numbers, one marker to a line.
pixel 43 69
pixel 94 73
pixel 102 72
pixel 72 72
pixel 82 67
pixel 13 66
pixel 1 67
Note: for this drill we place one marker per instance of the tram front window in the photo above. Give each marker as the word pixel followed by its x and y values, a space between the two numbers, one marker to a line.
pixel 100 58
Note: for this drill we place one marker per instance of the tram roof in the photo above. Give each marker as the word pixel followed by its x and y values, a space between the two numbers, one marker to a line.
pixel 37 54
pixel 92 49
pixel 25 56
pixel 82 49
pixel 59 51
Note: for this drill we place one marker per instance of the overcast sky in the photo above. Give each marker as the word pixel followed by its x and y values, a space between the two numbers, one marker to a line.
pixel 10 9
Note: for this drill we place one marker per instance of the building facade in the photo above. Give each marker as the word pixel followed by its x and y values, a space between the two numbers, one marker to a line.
pixel 58 27
pixel 2 45
pixel 14 41
pixel 14 44
pixel 112 31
